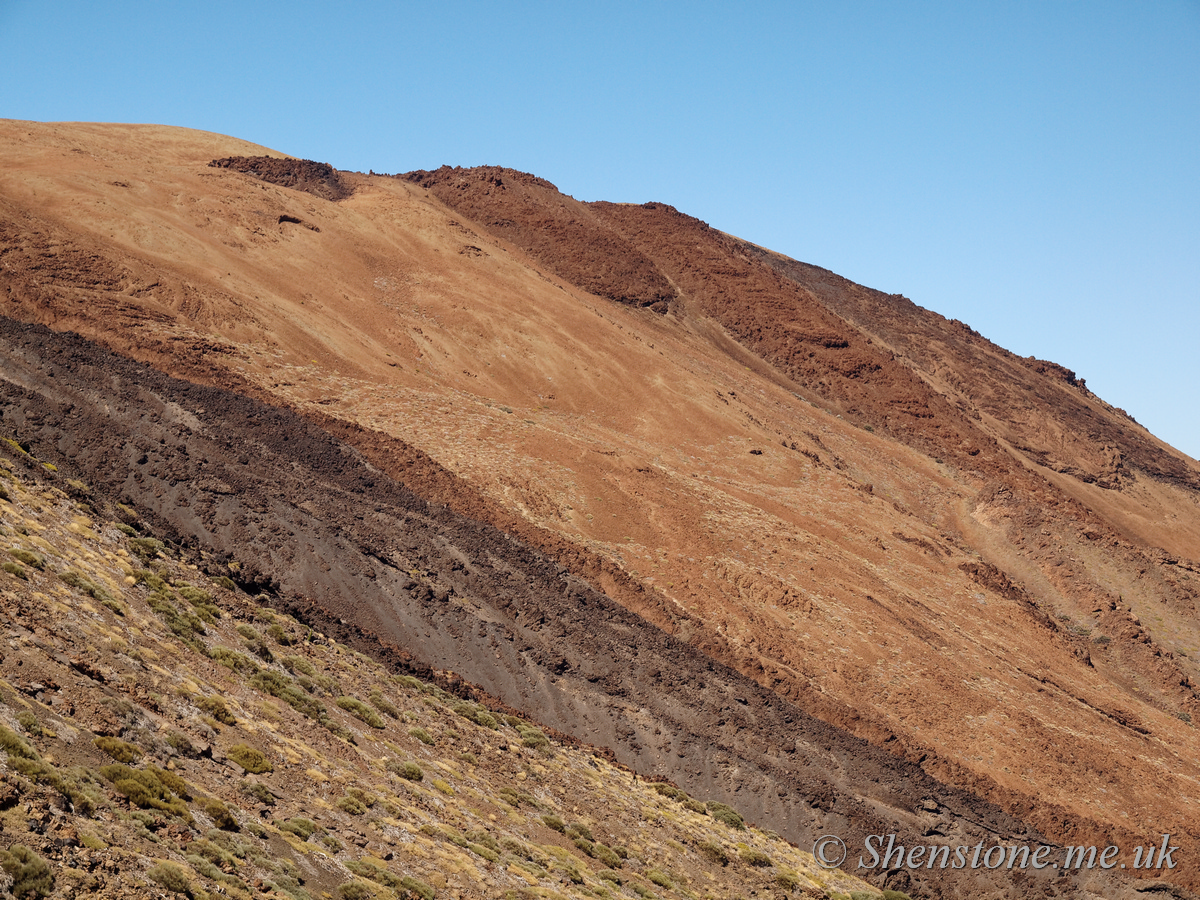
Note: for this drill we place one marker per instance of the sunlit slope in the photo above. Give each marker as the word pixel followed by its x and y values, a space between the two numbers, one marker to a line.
pixel 849 570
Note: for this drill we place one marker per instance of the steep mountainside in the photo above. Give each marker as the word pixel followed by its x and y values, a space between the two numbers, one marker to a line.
pixel 165 734
pixel 801 547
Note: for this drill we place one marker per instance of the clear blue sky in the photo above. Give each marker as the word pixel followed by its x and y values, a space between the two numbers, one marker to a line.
pixel 1032 168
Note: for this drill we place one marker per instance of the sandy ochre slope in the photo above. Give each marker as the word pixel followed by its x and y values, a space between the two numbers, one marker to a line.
pixel 960 556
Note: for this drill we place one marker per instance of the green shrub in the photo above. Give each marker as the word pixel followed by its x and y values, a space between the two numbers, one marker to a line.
pixel 171 877
pixel 186 625
pixel 285 689
pixel 171 782
pixel 753 857
pixel 789 881
pixel 726 814
pixel 667 790
pixel 232 660
pixel 366 799
pixel 579 830
pixel 421 735
pixel 482 837
pixel 250 759
pixel 93 590
pixel 152 581
pixel 486 852
pixel 73 784
pixel 256 791
pixel 372 870
pixel 355 890
pixel 202 866
pixel 16 570
pixel 328 684
pixel 215 707
pixel 407 770
pixel 606 855
pixel 610 875
pixel 895 895
pixel 351 805
pixel 13 745
pixel 360 710
pixel 476 714
pixel 118 749
pixel 221 815
pixel 299 664
pixel 29 722
pixel 714 851
pixel 180 743
pixel 202 602
pixel 533 737
pixel 211 851
pixel 384 705
pixel 662 879
pixel 299 826
pixel 256 645
pixel 150 788
pixel 515 798
pixel 446 833
pixel 147 548
pixel 279 634
pixel 415 889
pixel 31 875
pixel 554 822
pixel 30 559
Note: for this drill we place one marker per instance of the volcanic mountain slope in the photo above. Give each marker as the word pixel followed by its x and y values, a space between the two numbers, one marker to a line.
pixel 880 518
pixel 275 503
pixel 284 764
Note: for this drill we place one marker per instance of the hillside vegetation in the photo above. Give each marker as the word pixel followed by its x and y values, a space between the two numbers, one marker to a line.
pixel 166 733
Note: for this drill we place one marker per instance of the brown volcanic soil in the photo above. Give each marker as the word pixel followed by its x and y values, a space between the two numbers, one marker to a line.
pixel 1019 630
pixel 1039 411
pixel 263 496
